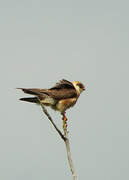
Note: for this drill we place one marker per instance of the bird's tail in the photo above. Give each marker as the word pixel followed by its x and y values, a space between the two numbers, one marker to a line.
pixel 30 91
pixel 30 99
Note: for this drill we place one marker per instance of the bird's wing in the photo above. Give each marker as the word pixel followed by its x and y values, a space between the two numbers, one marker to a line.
pixel 62 93
pixel 63 84
pixel 62 90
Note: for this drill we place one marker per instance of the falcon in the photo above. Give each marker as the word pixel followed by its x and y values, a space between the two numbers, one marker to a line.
pixel 60 97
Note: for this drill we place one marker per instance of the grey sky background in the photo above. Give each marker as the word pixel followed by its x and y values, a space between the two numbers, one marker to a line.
pixel 42 42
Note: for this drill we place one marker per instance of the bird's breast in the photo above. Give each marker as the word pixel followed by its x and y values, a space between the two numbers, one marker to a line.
pixel 64 104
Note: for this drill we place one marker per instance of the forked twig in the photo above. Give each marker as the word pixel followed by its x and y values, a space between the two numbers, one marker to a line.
pixel 66 140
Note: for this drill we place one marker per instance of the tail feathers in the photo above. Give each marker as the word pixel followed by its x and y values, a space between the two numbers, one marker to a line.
pixel 31 99
pixel 30 91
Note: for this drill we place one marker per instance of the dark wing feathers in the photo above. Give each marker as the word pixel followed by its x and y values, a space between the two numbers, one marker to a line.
pixel 63 84
pixel 62 93
pixel 62 90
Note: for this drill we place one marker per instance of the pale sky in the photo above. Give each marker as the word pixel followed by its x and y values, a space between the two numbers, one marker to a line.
pixel 42 42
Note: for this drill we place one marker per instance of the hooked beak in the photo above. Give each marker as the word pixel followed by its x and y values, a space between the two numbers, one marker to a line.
pixel 84 88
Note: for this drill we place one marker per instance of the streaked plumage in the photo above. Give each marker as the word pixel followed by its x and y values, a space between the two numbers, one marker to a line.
pixel 60 97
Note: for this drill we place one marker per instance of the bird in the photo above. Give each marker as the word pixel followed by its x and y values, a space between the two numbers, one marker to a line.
pixel 60 97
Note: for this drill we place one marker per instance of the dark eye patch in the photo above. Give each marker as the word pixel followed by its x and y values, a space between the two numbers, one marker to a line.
pixel 80 85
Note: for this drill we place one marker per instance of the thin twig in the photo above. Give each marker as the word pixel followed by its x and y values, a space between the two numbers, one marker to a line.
pixel 51 120
pixel 67 144
pixel 66 140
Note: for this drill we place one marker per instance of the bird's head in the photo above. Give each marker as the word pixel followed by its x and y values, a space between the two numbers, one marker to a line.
pixel 78 86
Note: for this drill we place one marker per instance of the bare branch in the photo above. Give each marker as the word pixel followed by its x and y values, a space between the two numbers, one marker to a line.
pixel 69 157
pixel 65 138
pixel 51 120
pixel 67 144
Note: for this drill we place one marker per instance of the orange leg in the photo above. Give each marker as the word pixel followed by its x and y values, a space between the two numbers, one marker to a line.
pixel 64 123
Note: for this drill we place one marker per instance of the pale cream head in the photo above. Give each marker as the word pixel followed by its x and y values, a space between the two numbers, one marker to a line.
pixel 78 86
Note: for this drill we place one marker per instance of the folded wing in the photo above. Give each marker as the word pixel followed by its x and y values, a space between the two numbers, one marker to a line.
pixel 62 90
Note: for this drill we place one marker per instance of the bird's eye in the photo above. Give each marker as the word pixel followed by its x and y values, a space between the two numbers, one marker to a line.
pixel 80 85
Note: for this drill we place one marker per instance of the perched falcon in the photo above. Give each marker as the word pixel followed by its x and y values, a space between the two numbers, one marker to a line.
pixel 60 97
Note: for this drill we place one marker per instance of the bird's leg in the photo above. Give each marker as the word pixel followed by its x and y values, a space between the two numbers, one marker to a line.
pixel 64 123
